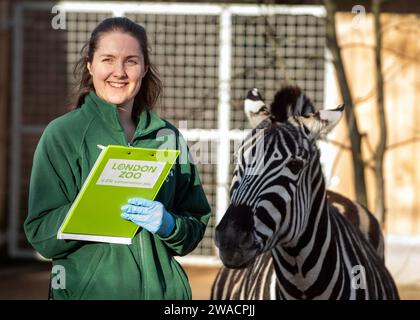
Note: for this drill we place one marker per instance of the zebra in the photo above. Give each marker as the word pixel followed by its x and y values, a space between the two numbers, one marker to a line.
pixel 251 227
pixel 291 101
pixel 258 280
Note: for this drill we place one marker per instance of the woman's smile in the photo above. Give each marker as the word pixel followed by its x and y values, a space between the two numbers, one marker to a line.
pixel 117 85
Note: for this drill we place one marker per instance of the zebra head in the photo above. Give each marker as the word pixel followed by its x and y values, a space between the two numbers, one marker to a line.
pixel 274 186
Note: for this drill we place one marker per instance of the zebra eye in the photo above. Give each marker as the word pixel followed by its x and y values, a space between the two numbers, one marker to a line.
pixel 295 165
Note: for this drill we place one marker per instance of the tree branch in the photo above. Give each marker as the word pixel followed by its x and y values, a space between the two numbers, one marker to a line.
pixel 380 150
pixel 402 143
pixel 339 144
pixel 355 138
pixel 270 33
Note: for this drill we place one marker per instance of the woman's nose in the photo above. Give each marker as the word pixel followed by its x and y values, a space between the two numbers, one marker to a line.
pixel 119 70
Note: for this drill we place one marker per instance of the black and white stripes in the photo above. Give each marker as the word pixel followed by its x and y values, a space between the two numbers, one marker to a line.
pixel 255 282
pixel 279 210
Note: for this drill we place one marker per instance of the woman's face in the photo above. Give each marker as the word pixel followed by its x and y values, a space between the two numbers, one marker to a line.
pixel 117 68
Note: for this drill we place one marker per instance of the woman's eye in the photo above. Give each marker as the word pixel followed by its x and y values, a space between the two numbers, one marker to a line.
pixel 295 165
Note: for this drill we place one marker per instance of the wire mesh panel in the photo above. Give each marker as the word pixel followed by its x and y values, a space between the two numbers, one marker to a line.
pixel 48 58
pixel 185 50
pixel 79 26
pixel 208 58
pixel 270 51
pixel 43 91
pixel 44 69
pixel 203 154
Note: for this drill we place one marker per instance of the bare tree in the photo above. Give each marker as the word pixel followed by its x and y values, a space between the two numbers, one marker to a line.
pixel 354 133
pixel 374 159
pixel 380 150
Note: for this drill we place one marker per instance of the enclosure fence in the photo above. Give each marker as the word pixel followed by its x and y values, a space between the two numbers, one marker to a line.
pixel 208 57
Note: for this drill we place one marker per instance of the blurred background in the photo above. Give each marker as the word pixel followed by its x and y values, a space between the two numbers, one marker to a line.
pixel 363 53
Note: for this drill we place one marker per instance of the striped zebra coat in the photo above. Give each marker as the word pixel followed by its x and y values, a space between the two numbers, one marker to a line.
pixel 282 212
pixel 258 281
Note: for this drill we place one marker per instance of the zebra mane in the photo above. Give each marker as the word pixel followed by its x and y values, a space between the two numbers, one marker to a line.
pixel 291 101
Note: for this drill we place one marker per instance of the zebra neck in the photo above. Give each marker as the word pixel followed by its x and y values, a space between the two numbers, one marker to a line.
pixel 256 119
pixel 298 267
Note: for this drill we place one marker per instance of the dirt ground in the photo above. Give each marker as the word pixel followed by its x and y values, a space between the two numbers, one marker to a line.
pixel 29 280
pixel 201 279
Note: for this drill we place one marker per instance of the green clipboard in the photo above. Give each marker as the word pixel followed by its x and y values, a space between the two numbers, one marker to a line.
pixel 119 173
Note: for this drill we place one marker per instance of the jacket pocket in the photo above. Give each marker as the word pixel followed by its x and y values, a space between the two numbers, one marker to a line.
pixel 88 276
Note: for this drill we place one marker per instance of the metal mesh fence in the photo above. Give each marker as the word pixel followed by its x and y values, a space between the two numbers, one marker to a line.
pixel 44 64
pixel 79 25
pixel 269 51
pixel 186 50
pixel 207 172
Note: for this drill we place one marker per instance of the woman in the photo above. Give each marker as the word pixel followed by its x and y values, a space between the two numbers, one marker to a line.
pixel 118 88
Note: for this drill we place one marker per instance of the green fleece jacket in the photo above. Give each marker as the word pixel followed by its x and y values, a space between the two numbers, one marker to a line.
pixel 146 269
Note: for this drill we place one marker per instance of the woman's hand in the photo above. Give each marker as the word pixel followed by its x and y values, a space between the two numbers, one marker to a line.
pixel 150 215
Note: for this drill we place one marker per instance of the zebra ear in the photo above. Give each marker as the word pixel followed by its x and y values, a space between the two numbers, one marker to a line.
pixel 322 122
pixel 255 107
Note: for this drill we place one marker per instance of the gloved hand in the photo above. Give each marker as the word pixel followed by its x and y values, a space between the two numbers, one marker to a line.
pixel 150 215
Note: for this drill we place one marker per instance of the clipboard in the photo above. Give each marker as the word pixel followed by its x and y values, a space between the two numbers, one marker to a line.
pixel 119 173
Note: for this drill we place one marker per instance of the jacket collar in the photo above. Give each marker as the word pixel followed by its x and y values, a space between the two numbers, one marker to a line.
pixel 148 122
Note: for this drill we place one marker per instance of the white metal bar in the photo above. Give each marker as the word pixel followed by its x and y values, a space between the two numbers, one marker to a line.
pixel 256 10
pixel 189 134
pixel 223 151
pixel 328 152
pixel 200 135
pixel 237 134
pixel 142 7
pixel 214 134
pixel 178 8
pixel 118 12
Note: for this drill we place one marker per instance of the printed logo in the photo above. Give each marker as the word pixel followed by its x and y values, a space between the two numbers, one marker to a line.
pixel 131 173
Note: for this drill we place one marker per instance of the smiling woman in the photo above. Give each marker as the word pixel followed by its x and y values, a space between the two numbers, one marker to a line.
pixel 115 64
pixel 117 90
pixel 117 69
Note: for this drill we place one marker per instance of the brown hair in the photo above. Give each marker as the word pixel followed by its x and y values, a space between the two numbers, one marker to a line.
pixel 151 86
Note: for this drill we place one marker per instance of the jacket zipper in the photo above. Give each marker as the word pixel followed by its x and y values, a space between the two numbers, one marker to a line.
pixel 141 251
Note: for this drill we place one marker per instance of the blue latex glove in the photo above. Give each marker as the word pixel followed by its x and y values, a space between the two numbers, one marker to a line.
pixel 150 215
